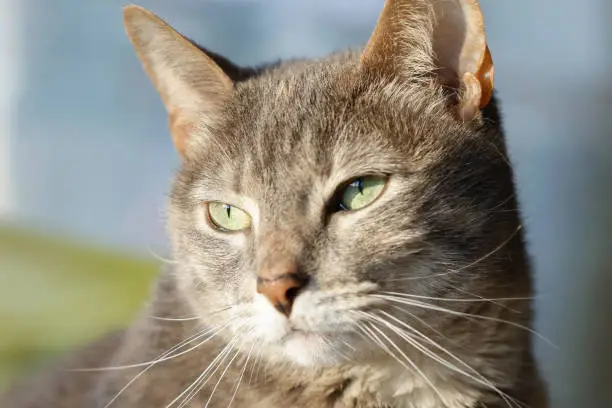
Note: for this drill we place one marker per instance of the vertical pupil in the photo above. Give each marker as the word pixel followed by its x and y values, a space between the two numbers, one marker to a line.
pixel 360 185
pixel 228 209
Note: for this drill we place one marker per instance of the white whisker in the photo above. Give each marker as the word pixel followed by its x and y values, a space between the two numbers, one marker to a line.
pixel 373 338
pixel 496 301
pixel 197 385
pixel 190 318
pixel 493 251
pixel 471 264
pixel 408 360
pixel 424 323
pixel 414 342
pixel 222 375
pixel 241 375
pixel 154 362
pixel 456 299
pixel 161 258
pixel 174 319
pixel 255 369
pixel 428 306
pixel 160 360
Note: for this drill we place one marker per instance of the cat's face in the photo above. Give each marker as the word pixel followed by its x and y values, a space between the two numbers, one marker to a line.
pixel 327 211
pixel 433 197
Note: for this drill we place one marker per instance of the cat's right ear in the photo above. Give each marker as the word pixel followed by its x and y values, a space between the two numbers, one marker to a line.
pixel 192 86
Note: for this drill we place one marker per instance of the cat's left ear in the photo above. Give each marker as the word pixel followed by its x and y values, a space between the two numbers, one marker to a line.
pixel 192 86
pixel 445 38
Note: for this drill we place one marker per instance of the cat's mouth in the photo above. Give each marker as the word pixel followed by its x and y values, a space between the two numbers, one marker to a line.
pixel 307 333
pixel 320 328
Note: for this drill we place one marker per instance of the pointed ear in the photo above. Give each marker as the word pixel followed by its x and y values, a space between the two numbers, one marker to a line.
pixel 417 38
pixel 192 86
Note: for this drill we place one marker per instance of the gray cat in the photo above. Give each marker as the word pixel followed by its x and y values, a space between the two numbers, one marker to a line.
pixel 345 233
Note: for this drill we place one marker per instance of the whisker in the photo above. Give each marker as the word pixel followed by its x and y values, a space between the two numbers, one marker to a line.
pixel 161 356
pixel 414 342
pixel 161 258
pixel 412 364
pixel 174 319
pixel 456 299
pixel 199 383
pixel 190 318
pixel 424 323
pixel 495 301
pixel 146 363
pixel 429 326
pixel 255 369
pixel 377 340
pixel 476 299
pixel 241 375
pixel 428 306
pixel 260 362
pixel 471 264
pixel 342 352
pixel 493 251
pixel 348 345
pixel 222 375
pixel 503 156
pixel 373 338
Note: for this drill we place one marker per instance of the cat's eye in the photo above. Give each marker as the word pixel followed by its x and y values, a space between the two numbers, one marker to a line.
pixel 227 218
pixel 361 192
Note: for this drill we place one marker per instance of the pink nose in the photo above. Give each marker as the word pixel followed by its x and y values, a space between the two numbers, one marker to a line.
pixel 281 285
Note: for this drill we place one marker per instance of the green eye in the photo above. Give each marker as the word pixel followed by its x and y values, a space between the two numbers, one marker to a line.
pixel 228 218
pixel 362 192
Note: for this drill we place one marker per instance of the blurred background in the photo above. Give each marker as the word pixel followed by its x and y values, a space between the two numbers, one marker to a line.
pixel 85 161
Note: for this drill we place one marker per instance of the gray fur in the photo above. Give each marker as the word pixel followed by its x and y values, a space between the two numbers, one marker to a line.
pixel 447 227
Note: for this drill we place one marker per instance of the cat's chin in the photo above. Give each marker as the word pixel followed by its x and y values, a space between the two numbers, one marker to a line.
pixel 312 349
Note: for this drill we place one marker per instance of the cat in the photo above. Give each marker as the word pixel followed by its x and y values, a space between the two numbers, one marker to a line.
pixel 345 233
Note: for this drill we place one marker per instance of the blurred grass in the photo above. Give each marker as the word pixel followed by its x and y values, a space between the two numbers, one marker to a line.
pixel 56 294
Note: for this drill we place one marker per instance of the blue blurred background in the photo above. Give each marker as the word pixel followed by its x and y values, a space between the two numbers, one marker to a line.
pixel 85 161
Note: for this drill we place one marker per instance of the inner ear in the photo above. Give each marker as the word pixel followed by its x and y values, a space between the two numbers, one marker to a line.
pixel 462 54
pixel 416 39
pixel 457 40
pixel 192 86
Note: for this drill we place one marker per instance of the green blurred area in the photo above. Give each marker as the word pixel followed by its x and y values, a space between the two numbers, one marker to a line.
pixel 55 295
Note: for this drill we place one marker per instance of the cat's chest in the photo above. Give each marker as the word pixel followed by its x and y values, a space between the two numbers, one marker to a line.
pixel 381 387
pixel 399 387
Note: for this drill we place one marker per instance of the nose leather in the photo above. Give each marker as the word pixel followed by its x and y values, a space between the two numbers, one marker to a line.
pixel 280 285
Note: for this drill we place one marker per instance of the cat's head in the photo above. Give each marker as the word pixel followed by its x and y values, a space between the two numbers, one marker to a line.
pixel 325 207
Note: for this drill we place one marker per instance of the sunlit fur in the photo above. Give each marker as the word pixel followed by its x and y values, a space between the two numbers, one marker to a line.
pixel 294 134
pixel 419 300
